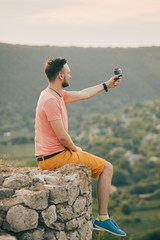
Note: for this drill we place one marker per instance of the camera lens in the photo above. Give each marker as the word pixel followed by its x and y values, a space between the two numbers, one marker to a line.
pixel 117 71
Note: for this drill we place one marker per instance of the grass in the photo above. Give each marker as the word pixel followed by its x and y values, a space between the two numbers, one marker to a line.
pixel 139 223
pixel 136 225
pixel 18 155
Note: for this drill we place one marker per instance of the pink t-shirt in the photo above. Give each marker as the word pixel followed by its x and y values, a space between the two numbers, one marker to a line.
pixel 50 107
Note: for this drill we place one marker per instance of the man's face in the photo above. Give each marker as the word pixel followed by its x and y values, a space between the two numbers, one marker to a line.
pixel 66 71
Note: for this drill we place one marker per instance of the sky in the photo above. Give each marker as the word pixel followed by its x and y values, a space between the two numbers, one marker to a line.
pixel 86 23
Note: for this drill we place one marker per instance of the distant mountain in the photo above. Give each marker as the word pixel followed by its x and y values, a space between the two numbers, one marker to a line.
pixel 22 79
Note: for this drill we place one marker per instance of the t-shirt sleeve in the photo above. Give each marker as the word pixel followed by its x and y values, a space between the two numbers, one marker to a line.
pixel 65 95
pixel 52 110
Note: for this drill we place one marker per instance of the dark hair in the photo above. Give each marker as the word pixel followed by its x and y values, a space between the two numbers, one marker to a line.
pixel 53 67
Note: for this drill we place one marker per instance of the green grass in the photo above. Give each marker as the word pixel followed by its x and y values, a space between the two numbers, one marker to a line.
pixel 18 155
pixel 136 225
pixel 139 223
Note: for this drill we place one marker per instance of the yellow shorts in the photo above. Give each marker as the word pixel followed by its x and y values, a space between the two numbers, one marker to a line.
pixel 96 164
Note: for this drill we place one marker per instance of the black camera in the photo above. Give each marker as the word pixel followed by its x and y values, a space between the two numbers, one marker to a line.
pixel 118 71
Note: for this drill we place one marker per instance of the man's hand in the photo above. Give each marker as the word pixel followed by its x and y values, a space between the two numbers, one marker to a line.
pixel 111 83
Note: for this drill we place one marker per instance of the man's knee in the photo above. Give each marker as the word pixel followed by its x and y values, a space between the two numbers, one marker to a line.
pixel 108 168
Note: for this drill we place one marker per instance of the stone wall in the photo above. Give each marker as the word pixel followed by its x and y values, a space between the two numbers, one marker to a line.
pixel 48 205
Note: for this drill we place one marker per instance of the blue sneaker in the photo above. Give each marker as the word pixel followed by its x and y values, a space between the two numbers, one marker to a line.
pixel 110 226
pixel 94 227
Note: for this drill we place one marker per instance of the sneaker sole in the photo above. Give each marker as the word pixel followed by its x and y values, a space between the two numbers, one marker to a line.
pixel 97 229
pixel 103 229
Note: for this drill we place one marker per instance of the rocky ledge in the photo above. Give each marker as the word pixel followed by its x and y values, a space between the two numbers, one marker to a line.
pixel 45 205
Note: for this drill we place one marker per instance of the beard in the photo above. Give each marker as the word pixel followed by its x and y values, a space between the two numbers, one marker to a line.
pixel 65 83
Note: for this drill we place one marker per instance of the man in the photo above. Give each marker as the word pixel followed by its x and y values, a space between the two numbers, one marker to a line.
pixel 53 145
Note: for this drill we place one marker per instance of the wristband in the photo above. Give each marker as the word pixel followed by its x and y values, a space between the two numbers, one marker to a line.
pixel 105 87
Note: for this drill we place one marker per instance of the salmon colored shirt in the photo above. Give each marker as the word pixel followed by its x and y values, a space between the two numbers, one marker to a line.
pixel 50 107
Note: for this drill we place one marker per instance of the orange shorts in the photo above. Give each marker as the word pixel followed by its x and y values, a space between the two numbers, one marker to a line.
pixel 96 164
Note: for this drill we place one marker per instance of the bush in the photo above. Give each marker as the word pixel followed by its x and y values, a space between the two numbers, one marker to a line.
pixel 119 178
pixel 144 188
pixel 137 220
pixel 94 188
pixel 156 194
pixel 126 209
pixel 152 235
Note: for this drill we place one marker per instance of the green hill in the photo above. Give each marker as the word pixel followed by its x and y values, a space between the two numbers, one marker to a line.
pixel 130 139
pixel 22 78
pixel 117 126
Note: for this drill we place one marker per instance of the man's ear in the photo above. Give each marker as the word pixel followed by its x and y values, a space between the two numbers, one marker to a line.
pixel 61 75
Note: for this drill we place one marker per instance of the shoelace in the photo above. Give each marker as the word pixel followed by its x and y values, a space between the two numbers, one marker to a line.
pixel 112 221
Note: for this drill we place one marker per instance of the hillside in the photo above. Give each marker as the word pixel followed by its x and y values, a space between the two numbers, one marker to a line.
pixel 129 138
pixel 22 78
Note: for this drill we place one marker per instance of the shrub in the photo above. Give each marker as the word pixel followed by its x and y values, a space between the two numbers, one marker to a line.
pixel 152 235
pixel 156 194
pixel 119 178
pixel 126 209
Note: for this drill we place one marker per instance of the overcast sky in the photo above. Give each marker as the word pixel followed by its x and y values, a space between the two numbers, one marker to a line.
pixel 96 23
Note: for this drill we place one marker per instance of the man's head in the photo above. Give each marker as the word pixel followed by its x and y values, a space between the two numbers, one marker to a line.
pixel 57 68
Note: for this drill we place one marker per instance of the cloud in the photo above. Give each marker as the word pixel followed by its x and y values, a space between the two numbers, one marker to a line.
pixel 81 22
pixel 88 12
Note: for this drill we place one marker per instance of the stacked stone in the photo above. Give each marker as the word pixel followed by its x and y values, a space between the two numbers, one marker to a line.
pixel 48 205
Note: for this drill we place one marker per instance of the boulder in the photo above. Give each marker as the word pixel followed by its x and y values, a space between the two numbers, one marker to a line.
pixel 20 218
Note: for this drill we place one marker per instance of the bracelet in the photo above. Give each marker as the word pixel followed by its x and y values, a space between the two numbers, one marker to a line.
pixel 105 87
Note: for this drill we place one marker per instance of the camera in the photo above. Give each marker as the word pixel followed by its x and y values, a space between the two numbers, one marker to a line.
pixel 118 71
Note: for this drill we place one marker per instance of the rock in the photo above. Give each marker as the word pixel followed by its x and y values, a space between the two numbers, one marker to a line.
pixel 52 180
pixel 49 235
pixel 34 199
pixel 6 192
pixel 17 181
pixel 72 224
pixel 2 216
pixel 81 221
pixel 49 216
pixel 20 218
pixel 64 212
pixel 75 223
pixel 89 195
pixel 85 231
pixel 79 205
pixel 7 237
pixel 37 178
pixel 73 236
pixel 46 205
pixel 7 203
pixel 56 194
pixel 1 180
pixel 58 226
pixel 73 193
pixel 61 236
pixel 88 212
pixel 35 235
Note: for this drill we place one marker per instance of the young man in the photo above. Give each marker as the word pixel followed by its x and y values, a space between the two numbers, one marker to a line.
pixel 53 145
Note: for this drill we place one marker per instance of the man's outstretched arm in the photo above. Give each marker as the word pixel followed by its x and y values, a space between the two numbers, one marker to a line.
pixel 87 93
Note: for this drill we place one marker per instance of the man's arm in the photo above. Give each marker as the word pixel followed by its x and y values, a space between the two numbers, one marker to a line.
pixel 63 136
pixel 87 93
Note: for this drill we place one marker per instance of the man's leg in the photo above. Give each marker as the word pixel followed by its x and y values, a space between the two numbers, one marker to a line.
pixel 103 222
pixel 103 188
